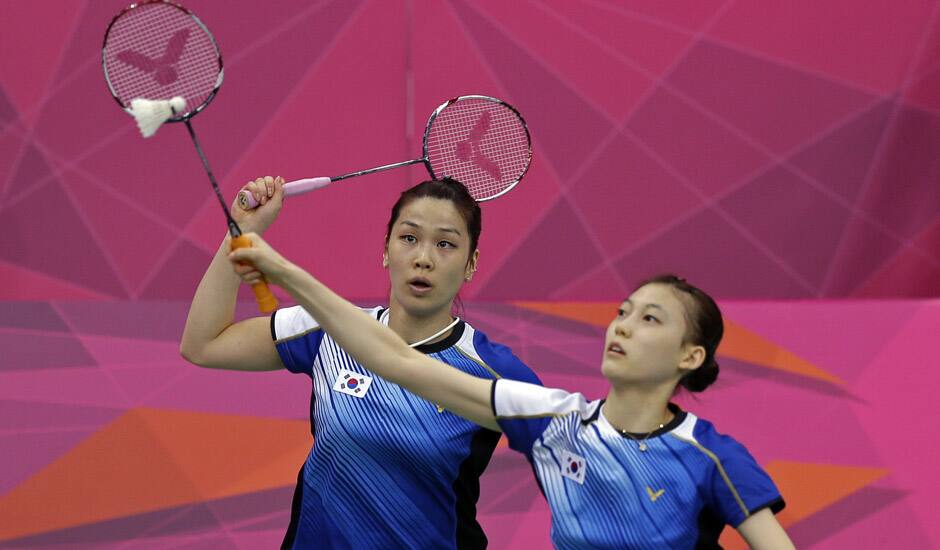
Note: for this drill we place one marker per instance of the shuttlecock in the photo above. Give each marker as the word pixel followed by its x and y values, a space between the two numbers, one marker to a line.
pixel 150 114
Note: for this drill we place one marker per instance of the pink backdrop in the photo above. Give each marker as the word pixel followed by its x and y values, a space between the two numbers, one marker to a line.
pixel 797 143
pixel 767 151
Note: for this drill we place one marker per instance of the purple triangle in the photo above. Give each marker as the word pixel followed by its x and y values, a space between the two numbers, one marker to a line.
pixel 864 250
pixel 564 125
pixel 778 106
pixel 851 514
pixel 841 160
pixel 904 192
pixel 714 256
pixel 49 236
pixel 644 188
pixel 27 416
pixel 41 351
pixel 710 156
pixel 179 275
pixel 32 170
pixel 535 270
pixel 160 320
pixel 31 315
pixel 8 113
pixel 41 448
pixel 813 222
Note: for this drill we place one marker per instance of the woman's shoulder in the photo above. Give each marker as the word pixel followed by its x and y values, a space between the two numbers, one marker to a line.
pixel 495 356
pixel 705 436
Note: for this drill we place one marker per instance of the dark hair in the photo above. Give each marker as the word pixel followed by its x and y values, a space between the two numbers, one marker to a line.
pixel 445 189
pixel 705 328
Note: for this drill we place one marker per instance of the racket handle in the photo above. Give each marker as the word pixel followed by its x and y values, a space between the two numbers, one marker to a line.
pixel 266 300
pixel 247 201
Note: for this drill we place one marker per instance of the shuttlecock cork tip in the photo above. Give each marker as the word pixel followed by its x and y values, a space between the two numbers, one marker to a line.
pixel 178 104
pixel 151 114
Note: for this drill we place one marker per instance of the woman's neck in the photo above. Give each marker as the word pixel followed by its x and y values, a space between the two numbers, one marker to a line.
pixel 638 410
pixel 414 328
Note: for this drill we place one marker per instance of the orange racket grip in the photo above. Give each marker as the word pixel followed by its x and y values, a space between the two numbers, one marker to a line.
pixel 266 300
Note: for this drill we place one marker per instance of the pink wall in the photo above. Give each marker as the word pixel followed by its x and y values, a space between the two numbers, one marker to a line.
pixel 796 143
pixel 110 440
pixel 767 151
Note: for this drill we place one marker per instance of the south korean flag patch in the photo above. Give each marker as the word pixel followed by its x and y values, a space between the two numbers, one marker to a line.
pixel 352 383
pixel 573 467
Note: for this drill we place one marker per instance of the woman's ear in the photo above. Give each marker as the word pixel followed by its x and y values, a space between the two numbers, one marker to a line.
pixel 692 358
pixel 471 265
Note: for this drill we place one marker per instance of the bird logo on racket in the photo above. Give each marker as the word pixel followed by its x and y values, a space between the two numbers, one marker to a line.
pixel 469 150
pixel 164 67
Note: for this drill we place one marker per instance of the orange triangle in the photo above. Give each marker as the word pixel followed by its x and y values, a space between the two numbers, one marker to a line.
pixel 809 488
pixel 738 343
pixel 149 459
pixel 597 314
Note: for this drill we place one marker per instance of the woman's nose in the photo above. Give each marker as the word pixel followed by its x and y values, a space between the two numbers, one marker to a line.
pixel 622 328
pixel 423 259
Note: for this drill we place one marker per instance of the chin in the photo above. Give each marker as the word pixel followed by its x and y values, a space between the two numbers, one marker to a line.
pixel 612 370
pixel 420 306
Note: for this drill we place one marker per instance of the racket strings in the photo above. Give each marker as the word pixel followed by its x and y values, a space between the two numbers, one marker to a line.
pixel 481 143
pixel 157 51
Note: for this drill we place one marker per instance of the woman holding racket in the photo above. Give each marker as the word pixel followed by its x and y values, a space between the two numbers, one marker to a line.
pixel 630 471
pixel 387 469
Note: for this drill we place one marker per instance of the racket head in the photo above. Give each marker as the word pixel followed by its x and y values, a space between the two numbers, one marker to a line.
pixel 157 50
pixel 480 141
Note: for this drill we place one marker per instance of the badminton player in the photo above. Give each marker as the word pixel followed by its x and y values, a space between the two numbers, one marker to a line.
pixel 629 471
pixel 388 469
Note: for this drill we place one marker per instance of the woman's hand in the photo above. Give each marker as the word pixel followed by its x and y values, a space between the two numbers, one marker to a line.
pixel 269 192
pixel 259 262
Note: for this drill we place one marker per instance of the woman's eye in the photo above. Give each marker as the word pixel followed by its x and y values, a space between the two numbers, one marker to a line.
pixel 650 318
pixel 446 244
pixel 409 238
pixel 621 313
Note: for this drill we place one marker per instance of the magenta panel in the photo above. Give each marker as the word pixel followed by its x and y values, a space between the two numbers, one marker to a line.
pixel 875 348
pixel 658 108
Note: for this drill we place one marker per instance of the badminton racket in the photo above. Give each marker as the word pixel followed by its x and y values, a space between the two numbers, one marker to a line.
pixel 162 64
pixel 480 141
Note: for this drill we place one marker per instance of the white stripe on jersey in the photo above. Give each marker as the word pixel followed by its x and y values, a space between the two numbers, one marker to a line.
pixel 521 400
pixel 293 322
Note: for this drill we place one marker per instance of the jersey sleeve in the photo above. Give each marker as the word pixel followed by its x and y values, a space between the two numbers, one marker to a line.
pixel 502 360
pixel 297 337
pixel 523 411
pixel 739 486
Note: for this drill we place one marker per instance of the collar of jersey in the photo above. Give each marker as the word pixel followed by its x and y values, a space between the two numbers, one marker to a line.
pixel 677 419
pixel 455 335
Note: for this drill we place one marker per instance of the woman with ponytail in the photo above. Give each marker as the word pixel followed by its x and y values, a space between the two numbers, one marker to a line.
pixel 630 471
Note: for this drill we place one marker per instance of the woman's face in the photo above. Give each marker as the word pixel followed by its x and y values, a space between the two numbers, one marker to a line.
pixel 644 342
pixel 427 256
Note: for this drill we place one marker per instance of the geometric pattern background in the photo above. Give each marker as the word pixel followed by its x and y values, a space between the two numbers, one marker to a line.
pixel 798 143
pixel 111 440
pixel 783 156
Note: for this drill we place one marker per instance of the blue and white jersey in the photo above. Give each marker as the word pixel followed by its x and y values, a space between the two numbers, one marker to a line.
pixel 605 492
pixel 388 469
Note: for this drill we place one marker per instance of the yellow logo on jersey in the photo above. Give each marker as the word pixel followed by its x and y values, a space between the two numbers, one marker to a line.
pixel 656 495
pixel 440 409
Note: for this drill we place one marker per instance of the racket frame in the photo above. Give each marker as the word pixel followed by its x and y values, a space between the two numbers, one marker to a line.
pixel 426 158
pixel 218 53
pixel 448 103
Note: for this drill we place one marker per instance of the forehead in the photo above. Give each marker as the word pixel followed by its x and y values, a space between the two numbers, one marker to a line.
pixel 433 212
pixel 662 295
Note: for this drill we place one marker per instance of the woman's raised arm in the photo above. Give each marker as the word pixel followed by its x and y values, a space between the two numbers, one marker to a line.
pixel 371 343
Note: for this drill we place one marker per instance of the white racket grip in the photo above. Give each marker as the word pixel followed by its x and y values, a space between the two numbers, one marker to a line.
pixel 247 201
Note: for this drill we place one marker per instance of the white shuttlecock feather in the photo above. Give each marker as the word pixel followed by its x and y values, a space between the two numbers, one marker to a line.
pixel 150 114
